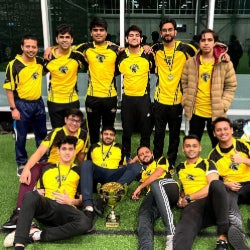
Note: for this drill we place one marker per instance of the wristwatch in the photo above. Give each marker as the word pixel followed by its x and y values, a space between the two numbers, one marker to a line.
pixel 11 108
pixel 187 198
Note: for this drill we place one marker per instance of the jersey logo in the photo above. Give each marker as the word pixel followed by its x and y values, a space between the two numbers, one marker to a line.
pixel 63 69
pixel 190 177
pixel 35 76
pixel 100 58
pixel 234 166
pixel 168 60
pixel 134 68
pixel 205 77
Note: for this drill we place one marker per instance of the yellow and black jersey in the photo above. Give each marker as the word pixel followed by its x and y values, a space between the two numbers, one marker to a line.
pixel 54 136
pixel 169 65
pixel 101 66
pixel 193 177
pixel 63 76
pixel 227 170
pixel 203 106
pixel 24 79
pixel 60 178
pixel 106 156
pixel 150 169
pixel 136 69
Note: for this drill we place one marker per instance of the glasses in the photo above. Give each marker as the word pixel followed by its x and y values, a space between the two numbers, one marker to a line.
pixel 167 30
pixel 74 121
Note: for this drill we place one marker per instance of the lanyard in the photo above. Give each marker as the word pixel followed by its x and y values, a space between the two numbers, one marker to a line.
pixel 63 177
pixel 104 157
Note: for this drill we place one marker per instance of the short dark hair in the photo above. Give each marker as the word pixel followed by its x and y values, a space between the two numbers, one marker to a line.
pixel 168 20
pixel 221 119
pixel 108 128
pixel 133 28
pixel 143 146
pixel 74 112
pixel 215 36
pixel 29 37
pixel 72 140
pixel 191 136
pixel 63 29
pixel 98 22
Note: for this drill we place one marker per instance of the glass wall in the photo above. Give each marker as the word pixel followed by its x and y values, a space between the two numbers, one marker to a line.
pixel 232 17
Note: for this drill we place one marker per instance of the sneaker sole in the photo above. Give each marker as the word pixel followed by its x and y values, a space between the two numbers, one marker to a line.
pixel 237 239
pixel 9 227
pixel 9 240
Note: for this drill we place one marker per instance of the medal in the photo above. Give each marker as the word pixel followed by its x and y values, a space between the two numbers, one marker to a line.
pixel 170 77
pixel 104 165
pixel 170 61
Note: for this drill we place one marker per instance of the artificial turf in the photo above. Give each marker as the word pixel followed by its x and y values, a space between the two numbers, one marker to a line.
pixel 123 237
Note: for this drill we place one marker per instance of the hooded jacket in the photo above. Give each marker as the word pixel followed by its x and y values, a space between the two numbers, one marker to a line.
pixel 223 83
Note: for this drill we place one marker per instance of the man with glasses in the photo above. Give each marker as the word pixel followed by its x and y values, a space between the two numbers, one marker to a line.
pixel 170 57
pixel 32 169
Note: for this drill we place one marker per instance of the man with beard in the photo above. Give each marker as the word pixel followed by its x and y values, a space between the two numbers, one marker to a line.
pixel 33 168
pixel 232 158
pixel 170 57
pixel 157 202
pixel 135 65
pixel 204 198
pixel 104 164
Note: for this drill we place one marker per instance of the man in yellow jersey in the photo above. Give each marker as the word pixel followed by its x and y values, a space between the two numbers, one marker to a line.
pixel 170 57
pixel 54 203
pixel 232 158
pixel 32 170
pixel 135 65
pixel 208 84
pixel 101 99
pixel 154 205
pixel 204 198
pixel 23 85
pixel 63 68
pixel 104 164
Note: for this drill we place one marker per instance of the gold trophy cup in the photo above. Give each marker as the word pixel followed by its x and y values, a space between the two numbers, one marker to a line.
pixel 112 193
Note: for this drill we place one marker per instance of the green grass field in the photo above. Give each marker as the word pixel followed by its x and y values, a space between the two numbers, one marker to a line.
pixel 123 238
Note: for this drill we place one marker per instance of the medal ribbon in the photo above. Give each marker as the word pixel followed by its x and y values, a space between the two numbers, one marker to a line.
pixel 170 65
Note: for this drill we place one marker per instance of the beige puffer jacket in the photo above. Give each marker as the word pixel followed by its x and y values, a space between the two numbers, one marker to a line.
pixel 223 83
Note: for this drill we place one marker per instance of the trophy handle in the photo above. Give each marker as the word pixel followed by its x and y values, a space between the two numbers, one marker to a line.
pixel 125 188
pixel 98 187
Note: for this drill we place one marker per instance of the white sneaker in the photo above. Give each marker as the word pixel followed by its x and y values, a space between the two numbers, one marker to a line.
pixel 9 239
pixel 34 235
pixel 169 243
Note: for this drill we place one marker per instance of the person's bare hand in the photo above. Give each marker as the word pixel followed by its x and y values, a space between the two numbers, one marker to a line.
pixel 25 177
pixel 62 198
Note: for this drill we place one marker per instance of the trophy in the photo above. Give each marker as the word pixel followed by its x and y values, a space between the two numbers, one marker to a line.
pixel 112 193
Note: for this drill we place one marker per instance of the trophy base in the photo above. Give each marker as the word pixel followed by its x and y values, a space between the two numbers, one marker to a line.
pixel 112 222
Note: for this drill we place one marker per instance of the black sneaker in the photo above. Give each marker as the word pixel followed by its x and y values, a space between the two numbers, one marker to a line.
pixel 89 214
pixel 237 239
pixel 99 206
pixel 92 216
pixel 19 170
pixel 221 245
pixel 12 221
